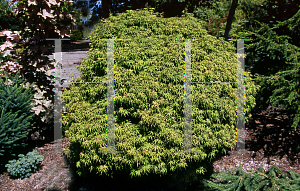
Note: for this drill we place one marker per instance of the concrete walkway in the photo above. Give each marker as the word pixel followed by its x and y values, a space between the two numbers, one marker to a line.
pixel 72 55
pixel 70 59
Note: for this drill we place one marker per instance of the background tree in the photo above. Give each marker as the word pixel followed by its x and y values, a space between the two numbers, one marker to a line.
pixel 215 14
pixel 170 8
pixel 37 25
pixel 281 79
pixel 230 18
pixel 273 54
pixel 8 20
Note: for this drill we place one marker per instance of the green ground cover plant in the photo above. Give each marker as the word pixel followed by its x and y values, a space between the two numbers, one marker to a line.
pixel 149 98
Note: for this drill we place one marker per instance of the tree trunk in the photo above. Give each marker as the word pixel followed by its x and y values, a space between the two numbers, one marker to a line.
pixel 106 5
pixel 230 18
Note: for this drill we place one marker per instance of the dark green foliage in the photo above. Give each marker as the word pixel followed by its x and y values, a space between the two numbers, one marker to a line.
pixel 77 35
pixel 236 179
pixel 149 98
pixel 215 14
pixel 276 57
pixel 273 53
pixel 15 116
pixel 8 20
pixel 285 91
pixel 25 165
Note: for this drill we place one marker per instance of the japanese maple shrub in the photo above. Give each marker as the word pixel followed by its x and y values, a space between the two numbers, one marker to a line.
pixel 149 67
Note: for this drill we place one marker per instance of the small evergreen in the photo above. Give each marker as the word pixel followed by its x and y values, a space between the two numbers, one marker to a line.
pixel 15 114
pixel 236 179
pixel 25 165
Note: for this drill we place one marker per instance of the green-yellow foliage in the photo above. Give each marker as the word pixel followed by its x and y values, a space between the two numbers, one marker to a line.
pixel 149 97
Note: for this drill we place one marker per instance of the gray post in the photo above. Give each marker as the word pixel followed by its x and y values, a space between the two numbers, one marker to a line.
pixel 110 98
pixel 57 97
pixel 240 125
pixel 240 98
pixel 188 99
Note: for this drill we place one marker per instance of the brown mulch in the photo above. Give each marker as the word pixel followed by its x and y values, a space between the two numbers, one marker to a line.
pixel 53 173
pixel 268 137
pixel 267 142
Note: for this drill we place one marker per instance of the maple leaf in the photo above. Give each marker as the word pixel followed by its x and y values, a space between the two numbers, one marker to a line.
pixel 32 2
pixel 46 14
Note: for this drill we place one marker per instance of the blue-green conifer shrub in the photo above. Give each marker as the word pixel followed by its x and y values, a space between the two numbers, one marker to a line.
pixel 15 115
pixel 149 74
pixel 25 165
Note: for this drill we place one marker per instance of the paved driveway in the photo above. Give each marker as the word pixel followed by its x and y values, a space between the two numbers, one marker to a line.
pixel 72 55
